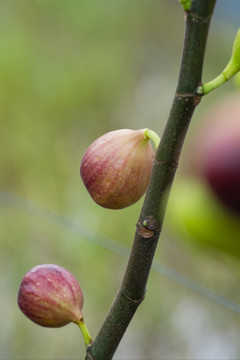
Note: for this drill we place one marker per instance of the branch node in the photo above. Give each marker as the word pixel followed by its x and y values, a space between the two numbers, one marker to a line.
pixel 147 228
pixel 196 96
pixel 172 164
pixel 150 223
pixel 184 95
pixel 134 301
pixel 197 99
pixel 198 18
pixel 145 233
pixel 162 162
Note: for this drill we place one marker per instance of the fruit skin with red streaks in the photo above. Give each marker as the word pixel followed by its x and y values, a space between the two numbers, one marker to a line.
pixel 50 296
pixel 116 168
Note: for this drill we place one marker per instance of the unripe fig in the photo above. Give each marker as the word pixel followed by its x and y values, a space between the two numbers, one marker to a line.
pixel 217 152
pixel 50 296
pixel 116 167
pixel 194 215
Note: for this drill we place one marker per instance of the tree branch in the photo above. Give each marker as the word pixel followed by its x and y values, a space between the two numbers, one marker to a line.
pixel 132 289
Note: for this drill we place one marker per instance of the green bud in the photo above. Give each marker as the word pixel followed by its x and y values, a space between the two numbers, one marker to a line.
pixel 186 4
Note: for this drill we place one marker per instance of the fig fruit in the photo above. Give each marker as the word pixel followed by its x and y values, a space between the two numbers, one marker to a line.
pixel 217 152
pixel 116 167
pixel 222 171
pixel 50 296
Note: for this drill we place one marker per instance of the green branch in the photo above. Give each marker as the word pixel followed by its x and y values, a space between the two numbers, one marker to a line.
pixel 133 287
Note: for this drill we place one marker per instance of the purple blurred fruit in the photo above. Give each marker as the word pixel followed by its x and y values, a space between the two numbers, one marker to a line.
pixel 217 152
pixel 222 171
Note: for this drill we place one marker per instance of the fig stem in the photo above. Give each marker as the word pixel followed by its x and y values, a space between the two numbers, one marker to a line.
pixel 85 333
pixel 151 135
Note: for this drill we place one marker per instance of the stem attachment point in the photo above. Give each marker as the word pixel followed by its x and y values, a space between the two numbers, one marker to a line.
pixel 151 135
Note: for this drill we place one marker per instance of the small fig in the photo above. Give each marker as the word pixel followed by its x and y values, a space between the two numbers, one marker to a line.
pixel 116 167
pixel 50 296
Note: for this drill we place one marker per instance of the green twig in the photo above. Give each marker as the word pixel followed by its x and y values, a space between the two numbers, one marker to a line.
pixel 132 289
pixel 232 68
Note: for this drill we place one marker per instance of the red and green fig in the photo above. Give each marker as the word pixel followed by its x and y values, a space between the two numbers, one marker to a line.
pixel 50 296
pixel 116 167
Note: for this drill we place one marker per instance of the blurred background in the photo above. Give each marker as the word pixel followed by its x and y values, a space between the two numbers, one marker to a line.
pixel 69 72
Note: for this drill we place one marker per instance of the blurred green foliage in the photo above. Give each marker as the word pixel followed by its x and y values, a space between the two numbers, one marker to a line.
pixel 198 214
pixel 71 70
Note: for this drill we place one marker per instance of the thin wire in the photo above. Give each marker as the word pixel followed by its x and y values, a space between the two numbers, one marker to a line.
pixel 18 203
